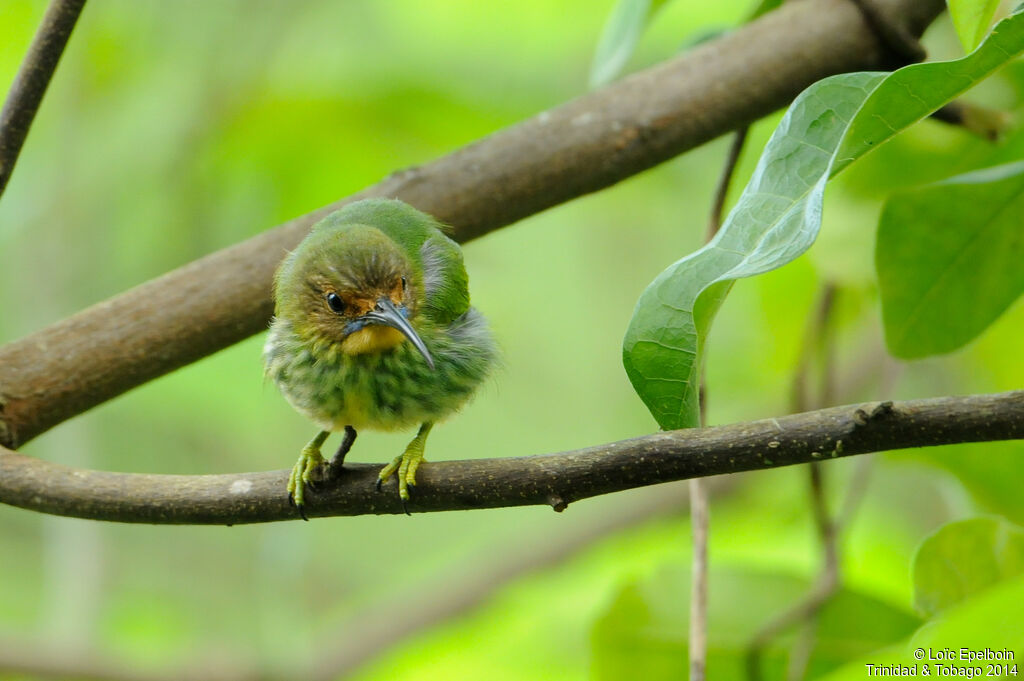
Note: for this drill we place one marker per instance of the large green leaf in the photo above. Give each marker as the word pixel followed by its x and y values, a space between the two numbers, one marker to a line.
pixel 963 558
pixel 643 634
pixel 623 29
pixel 830 125
pixel 991 472
pixel 949 257
pixel 990 623
pixel 971 19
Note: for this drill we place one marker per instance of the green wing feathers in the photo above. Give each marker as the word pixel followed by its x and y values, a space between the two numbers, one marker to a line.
pixel 444 279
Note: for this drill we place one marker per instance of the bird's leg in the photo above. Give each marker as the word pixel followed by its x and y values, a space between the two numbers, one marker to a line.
pixel 339 457
pixel 302 473
pixel 406 465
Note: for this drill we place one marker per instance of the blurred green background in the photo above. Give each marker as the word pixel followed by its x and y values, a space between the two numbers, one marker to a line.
pixel 174 129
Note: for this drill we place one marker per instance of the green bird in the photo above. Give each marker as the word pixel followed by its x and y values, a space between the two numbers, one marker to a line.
pixel 373 329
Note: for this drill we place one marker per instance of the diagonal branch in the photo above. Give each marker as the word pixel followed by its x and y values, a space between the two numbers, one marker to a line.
pixel 552 479
pixel 47 660
pixel 32 80
pixel 344 652
pixel 580 147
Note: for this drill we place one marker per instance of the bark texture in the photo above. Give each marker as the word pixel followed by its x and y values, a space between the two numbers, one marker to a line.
pixel 549 479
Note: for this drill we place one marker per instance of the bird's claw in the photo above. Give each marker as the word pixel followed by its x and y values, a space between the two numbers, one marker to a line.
pixel 300 508
pixel 308 470
pixel 404 468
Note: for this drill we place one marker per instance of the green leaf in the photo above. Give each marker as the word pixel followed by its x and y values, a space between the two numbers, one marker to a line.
pixel 989 470
pixel 963 558
pixel 971 19
pixel 949 257
pixel 625 25
pixel 763 7
pixel 829 126
pixel 991 621
pixel 643 634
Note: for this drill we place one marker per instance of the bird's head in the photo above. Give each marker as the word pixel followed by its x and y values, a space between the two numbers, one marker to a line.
pixel 351 290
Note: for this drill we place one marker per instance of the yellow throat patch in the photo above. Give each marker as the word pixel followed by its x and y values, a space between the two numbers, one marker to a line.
pixel 371 339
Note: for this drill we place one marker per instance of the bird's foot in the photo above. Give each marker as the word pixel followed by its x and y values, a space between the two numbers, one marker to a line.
pixel 405 467
pixel 307 471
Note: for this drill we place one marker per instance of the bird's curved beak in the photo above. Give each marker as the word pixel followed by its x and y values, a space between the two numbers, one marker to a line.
pixel 387 314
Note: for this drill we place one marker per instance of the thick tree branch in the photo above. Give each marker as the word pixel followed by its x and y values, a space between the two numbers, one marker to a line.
pixel 32 80
pixel 580 147
pixel 551 479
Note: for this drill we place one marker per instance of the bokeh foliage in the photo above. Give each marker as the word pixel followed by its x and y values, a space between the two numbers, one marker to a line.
pixel 173 129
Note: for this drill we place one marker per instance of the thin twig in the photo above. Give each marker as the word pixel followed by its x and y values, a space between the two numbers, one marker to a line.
pixel 805 610
pixel 817 346
pixel 700 516
pixel 800 655
pixel 549 479
pixel 580 147
pixel 856 488
pixel 989 124
pixel 739 139
pixel 829 579
pixel 903 47
pixel 700 510
pixel 32 80
pixel 45 660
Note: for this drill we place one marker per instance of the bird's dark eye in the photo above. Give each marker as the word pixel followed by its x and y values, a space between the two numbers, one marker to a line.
pixel 405 284
pixel 335 302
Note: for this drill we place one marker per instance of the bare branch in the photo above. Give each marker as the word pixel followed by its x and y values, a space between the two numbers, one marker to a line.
pixel 32 80
pixel 700 520
pixel 700 507
pixel 46 660
pixel 580 147
pixel 902 45
pixel 550 479
pixel 989 124
pixel 805 610
pixel 739 139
